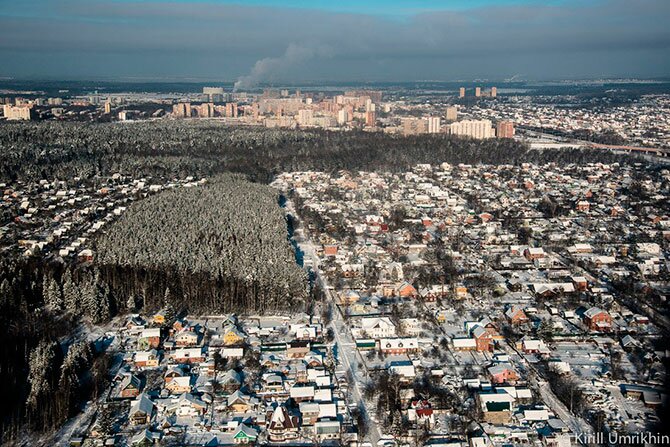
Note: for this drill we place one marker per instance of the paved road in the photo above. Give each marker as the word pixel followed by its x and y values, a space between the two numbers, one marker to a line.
pixel 576 424
pixel 347 354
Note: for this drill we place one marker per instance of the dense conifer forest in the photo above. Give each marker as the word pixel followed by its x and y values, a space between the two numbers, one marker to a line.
pixel 220 247
pixel 33 151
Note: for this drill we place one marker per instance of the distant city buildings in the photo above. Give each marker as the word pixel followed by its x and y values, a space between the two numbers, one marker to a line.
pixel 641 124
pixel 213 94
pixel 492 93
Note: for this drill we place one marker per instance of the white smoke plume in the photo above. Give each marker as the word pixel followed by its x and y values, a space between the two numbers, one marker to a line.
pixel 270 67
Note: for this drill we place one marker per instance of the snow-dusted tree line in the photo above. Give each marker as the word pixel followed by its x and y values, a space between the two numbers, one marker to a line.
pixel 180 148
pixel 218 247
pixel 45 372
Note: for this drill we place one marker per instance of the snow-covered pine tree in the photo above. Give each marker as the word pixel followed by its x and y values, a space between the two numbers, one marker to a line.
pixel 53 296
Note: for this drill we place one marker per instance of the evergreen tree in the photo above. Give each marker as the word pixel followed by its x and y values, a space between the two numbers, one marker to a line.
pixel 53 296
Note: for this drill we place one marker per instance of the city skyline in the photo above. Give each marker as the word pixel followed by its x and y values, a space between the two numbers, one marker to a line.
pixel 259 41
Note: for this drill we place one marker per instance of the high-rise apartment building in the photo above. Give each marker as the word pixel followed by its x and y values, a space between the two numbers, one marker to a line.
pixel 505 129
pixel 434 124
pixel 413 126
pixel 478 92
pixel 374 95
pixel 451 114
pixel 305 117
pixel 494 92
pixel 231 110
pixel 17 113
pixel 213 94
pixel 342 116
pixel 370 118
pixel 182 110
pixel 205 110
pixel 472 128
pixel 461 92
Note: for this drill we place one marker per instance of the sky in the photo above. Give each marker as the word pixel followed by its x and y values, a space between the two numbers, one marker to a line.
pixel 265 41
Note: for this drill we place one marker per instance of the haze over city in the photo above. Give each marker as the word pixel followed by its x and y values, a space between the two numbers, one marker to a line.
pixel 334 41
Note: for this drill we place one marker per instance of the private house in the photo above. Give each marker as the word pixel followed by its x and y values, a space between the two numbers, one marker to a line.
pixel 245 434
pixel 130 386
pixel 231 381
pixel 297 349
pixel 302 393
pixel 141 411
pixel 135 324
pixel 516 316
pixel 378 327
pixel 187 337
pixel 406 290
pixel 179 385
pixel 421 412
pixel 580 283
pixel 313 360
pixel 188 355
pixel 144 437
pixel 305 331
pixel 149 338
pixel 534 346
pixel 309 413
pixel 282 426
pixel 146 359
pixel 503 373
pixel 187 405
pixel 273 383
pixel 533 253
pixel 464 344
pixel 238 402
pixel 483 339
pixel 404 369
pixel 173 372
pixel 327 430
pixel 398 346
pixel 179 325
pixel 598 320
pixel 232 336
pixel 460 291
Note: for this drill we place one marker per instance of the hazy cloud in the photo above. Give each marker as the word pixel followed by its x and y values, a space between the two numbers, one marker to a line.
pixel 269 68
pixel 80 38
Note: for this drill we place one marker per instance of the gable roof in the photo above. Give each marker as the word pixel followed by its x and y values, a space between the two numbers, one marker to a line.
pixel 282 420
pixel 142 405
